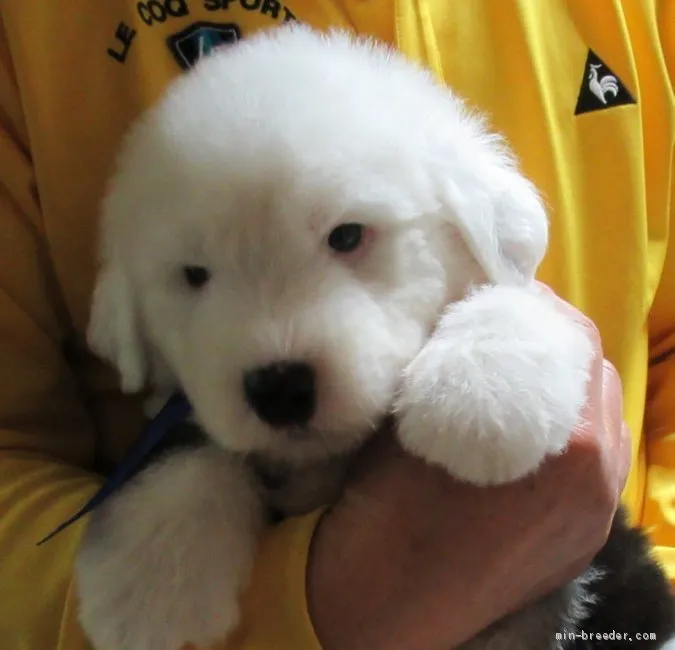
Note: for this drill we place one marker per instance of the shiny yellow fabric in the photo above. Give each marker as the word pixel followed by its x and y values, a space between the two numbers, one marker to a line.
pixel 69 86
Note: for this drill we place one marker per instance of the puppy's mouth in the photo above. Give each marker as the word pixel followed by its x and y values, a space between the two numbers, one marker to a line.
pixel 300 434
pixel 333 440
pixel 297 438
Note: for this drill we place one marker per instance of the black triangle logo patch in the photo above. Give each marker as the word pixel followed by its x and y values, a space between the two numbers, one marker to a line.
pixel 199 39
pixel 600 87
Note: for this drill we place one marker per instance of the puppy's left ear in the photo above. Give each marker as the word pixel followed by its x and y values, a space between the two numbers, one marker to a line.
pixel 497 211
pixel 113 331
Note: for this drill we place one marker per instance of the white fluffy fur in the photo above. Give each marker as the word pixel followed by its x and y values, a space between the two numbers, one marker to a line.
pixel 495 389
pixel 166 562
pixel 245 166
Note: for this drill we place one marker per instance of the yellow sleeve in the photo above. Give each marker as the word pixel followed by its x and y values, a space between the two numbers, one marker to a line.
pixel 275 615
pixel 659 507
pixel 45 434
pixel 47 442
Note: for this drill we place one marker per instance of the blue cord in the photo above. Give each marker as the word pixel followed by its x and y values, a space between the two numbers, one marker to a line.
pixel 175 411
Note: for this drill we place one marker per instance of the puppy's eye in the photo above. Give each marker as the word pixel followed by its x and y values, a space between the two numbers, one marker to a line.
pixel 346 237
pixel 196 276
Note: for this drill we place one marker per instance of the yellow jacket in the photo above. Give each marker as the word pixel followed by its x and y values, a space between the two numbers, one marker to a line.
pixel 582 89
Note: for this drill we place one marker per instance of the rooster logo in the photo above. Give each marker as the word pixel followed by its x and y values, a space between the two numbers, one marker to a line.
pixel 600 86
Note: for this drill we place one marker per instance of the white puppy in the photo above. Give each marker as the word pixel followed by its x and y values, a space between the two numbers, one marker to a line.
pixel 306 233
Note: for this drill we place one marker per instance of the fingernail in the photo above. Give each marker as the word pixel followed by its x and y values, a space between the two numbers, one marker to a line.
pixel 611 368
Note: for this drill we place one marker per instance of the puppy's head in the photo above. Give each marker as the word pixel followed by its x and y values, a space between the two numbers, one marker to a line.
pixel 285 227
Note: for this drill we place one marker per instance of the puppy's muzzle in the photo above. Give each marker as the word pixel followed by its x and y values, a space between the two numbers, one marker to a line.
pixel 282 394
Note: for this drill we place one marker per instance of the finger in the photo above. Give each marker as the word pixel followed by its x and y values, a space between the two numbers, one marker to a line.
pixel 625 456
pixel 577 316
pixel 612 398
pixel 545 287
pixel 595 429
pixel 615 427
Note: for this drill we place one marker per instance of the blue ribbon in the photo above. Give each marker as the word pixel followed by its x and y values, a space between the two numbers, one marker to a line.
pixel 175 411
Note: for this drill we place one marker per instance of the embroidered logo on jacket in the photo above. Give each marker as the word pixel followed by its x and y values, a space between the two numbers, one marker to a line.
pixel 600 87
pixel 199 39
pixel 186 45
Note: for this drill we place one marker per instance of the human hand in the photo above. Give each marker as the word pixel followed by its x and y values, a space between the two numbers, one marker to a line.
pixel 412 559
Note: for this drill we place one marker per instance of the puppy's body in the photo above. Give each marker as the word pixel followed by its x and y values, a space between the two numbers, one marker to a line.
pixel 298 251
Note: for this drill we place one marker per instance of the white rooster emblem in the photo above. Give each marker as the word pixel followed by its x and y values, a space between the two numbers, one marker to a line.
pixel 601 86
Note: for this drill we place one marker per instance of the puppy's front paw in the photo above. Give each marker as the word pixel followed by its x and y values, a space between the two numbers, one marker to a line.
pixel 500 385
pixel 163 563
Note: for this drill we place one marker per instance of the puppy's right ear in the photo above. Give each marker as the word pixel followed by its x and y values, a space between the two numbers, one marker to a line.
pixel 113 331
pixel 495 208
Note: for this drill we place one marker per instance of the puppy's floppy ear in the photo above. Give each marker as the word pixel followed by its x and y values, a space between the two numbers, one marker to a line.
pixel 113 331
pixel 497 211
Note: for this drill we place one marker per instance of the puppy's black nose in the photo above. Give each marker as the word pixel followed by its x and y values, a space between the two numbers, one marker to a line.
pixel 282 394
